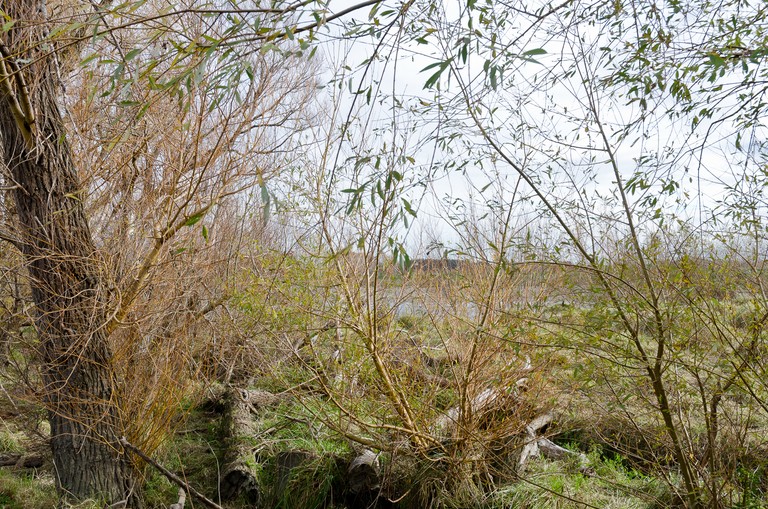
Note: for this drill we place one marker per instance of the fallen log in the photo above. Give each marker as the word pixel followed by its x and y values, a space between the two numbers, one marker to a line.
pixel 21 460
pixel 535 447
pixel 446 423
pixel 552 451
pixel 239 476
pixel 7 460
pixel 363 473
pixel 486 400
pixel 254 398
pixel 531 447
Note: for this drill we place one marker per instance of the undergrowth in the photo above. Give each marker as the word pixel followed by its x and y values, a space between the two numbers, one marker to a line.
pixel 607 483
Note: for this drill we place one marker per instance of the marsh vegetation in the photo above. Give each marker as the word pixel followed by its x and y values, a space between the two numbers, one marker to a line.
pixel 389 254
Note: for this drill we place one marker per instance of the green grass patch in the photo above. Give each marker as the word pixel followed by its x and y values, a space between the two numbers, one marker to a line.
pixel 24 491
pixel 562 485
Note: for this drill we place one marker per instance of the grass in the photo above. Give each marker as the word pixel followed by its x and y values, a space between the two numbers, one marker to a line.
pixel 608 484
pixel 304 481
pixel 194 453
pixel 302 457
pixel 11 441
pixel 25 491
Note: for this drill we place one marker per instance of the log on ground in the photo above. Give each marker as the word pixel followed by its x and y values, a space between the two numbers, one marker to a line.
pixel 239 477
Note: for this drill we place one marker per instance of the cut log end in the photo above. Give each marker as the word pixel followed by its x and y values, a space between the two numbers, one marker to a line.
pixel 239 480
pixel 363 473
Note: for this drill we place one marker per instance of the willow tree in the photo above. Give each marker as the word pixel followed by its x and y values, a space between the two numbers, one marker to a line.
pixel 77 375
pixel 201 58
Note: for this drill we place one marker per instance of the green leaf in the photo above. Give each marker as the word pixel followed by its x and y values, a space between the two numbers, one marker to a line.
pixel 136 6
pixel 408 207
pixel 436 64
pixel 194 219
pixel 205 233
pixel 93 56
pixel 436 76
pixel 715 60
pixel 132 54
pixel 266 200
pixel 534 52
pixel 200 71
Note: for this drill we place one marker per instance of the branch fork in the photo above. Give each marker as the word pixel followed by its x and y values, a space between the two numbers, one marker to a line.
pixel 14 87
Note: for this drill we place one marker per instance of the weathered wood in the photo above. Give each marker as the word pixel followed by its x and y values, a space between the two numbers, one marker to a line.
pixel 182 500
pixel 254 398
pixel 551 450
pixel 530 448
pixel 30 461
pixel 535 447
pixel 363 474
pixel 540 422
pixel 21 460
pixel 446 423
pixel 240 474
pixel 7 460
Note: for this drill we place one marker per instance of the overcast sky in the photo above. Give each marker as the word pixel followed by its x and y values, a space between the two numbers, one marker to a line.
pixel 532 121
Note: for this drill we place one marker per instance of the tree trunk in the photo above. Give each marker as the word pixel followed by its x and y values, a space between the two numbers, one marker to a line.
pixel 77 372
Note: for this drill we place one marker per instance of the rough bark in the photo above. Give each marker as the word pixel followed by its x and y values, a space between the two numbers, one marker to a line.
pixel 77 375
pixel 240 474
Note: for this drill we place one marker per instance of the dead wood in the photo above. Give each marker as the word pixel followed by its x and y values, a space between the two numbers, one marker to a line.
pixel 363 474
pixel 254 398
pixel 21 460
pixel 240 472
pixel 486 400
pixel 552 451
pixel 540 446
